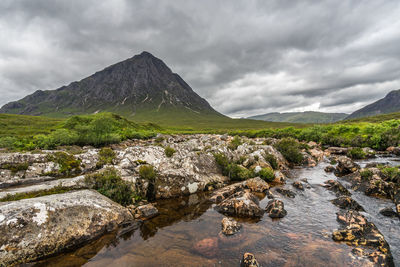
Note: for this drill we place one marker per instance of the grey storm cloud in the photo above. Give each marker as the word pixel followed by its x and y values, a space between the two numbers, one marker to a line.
pixel 245 57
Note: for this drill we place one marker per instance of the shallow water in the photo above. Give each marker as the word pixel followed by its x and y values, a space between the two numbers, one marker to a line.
pixel 302 238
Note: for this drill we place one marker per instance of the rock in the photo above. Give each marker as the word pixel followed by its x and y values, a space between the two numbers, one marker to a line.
pixel 298 185
pixel 225 192
pixel 280 178
pixel 329 168
pixel 249 260
pixel 375 164
pixel 48 225
pixel 378 187
pixel 286 192
pixel 317 154
pixel 207 247
pixel 256 185
pixel 388 212
pixel 241 204
pixel 345 202
pixel 276 209
pixel 345 166
pixel 230 226
pixel 393 150
pixel 337 150
pixel 308 160
pixel 145 212
pixel 336 187
pixel 357 231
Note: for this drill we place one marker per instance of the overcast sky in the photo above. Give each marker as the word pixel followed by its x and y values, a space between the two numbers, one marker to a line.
pixel 245 57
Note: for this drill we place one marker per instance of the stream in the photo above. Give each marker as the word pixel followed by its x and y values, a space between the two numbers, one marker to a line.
pixel 302 238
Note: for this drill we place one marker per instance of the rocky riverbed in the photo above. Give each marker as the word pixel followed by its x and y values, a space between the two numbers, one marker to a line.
pixel 310 214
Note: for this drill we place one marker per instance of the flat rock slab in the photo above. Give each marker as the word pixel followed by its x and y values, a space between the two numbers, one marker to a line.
pixel 40 227
pixel 74 183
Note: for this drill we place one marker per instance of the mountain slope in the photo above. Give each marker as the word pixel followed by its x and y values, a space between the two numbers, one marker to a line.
pixel 389 104
pixel 141 87
pixel 301 117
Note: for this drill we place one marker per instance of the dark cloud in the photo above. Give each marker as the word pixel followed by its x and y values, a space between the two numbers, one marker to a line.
pixel 244 57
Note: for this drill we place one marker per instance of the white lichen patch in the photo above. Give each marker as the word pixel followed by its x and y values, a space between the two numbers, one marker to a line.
pixel 193 187
pixel 40 217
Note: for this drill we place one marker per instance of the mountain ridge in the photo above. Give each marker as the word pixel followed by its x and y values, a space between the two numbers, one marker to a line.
pixel 389 104
pixel 301 117
pixel 142 85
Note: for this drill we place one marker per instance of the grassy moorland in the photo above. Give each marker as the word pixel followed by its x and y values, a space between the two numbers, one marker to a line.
pixel 19 132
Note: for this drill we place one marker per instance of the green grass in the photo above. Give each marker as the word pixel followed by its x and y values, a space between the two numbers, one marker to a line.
pixel 21 125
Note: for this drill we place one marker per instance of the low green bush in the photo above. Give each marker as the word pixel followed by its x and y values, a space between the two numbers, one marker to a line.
pixel 271 160
pixel 169 151
pixel 356 153
pixel 14 168
pixel 110 184
pixel 391 174
pixel 106 156
pixel 366 174
pixel 290 149
pixel 147 172
pixel 233 170
pixel 236 141
pixel 69 165
pixel 266 174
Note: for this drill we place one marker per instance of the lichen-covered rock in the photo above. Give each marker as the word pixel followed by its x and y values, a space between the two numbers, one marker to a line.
pixel 308 160
pixel 393 150
pixel 144 212
pixel 249 260
pixel 40 227
pixel 329 168
pixel 225 192
pixel 241 204
pixel 357 231
pixel 317 154
pixel 276 209
pixel 230 226
pixel 336 187
pixel 298 185
pixel 345 166
pixel 256 185
pixel 345 202
pixel 337 150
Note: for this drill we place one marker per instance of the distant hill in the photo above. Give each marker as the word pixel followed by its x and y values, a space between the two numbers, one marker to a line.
pixel 301 117
pixel 389 104
pixel 141 87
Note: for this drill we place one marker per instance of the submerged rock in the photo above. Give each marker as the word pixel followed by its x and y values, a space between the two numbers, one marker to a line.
pixel 241 204
pixel 249 260
pixel 43 226
pixel 388 212
pixel 207 247
pixel 346 166
pixel 286 192
pixel 345 202
pixel 230 226
pixel 276 209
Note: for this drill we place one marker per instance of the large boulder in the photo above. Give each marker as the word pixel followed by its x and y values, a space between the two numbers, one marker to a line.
pixel 256 185
pixel 241 204
pixel 357 231
pixel 346 166
pixel 347 203
pixel 44 226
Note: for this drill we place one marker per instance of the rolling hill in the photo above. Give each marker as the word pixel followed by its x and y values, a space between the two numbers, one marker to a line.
pixel 301 117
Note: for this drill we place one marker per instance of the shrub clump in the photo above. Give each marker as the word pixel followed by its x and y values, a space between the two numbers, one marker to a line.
pixel 169 151
pixel 356 153
pixel 69 165
pixel 391 174
pixel 147 172
pixel 111 185
pixel 290 149
pixel 236 141
pixel 106 156
pixel 271 160
pixel 266 174
pixel 14 168
pixel 233 170
pixel 366 174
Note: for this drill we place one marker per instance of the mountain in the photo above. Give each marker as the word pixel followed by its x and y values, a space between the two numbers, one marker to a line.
pixel 142 87
pixel 301 117
pixel 389 104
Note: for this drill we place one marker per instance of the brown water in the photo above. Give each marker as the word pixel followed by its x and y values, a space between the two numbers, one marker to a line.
pixel 302 238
